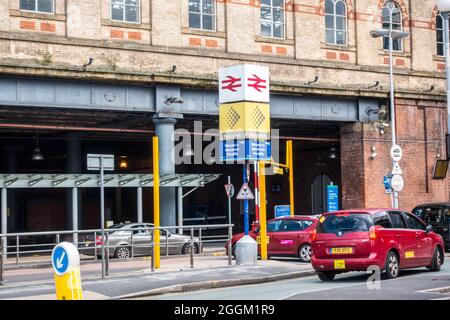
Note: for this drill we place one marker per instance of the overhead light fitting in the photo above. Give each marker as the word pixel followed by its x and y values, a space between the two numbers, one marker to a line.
pixel 123 163
pixel 37 153
pixel 332 154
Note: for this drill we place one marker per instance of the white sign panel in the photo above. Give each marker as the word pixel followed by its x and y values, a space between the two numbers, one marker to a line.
pixel 396 153
pixel 93 162
pixel 397 183
pixel 397 169
pixel 245 193
pixel 443 5
pixel 244 83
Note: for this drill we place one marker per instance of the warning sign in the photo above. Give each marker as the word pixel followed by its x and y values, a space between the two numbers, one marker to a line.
pixel 396 169
pixel 245 193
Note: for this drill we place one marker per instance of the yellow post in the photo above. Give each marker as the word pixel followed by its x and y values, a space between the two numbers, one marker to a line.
pixel 66 265
pixel 290 164
pixel 68 286
pixel 262 209
pixel 156 222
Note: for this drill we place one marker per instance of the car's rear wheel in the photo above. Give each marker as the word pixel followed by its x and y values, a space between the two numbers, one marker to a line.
pixel 326 275
pixel 436 263
pixel 304 253
pixel 392 267
pixel 123 253
pixel 187 248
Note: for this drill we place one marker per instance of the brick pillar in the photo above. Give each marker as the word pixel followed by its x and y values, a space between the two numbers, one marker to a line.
pixel 352 166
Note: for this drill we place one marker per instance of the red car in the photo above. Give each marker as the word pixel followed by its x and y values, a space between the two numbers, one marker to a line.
pixel 390 239
pixel 288 236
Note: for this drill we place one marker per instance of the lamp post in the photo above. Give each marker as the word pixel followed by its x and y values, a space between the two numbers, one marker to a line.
pixel 391 34
pixel 444 8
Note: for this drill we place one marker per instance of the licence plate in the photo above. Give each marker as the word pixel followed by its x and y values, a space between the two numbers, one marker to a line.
pixel 339 264
pixel 341 250
pixel 88 243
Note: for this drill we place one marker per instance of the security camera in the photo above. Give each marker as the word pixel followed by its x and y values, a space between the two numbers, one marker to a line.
pixel 374 153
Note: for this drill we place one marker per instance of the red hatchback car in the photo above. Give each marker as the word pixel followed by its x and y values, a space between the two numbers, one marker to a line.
pixel 288 236
pixel 391 239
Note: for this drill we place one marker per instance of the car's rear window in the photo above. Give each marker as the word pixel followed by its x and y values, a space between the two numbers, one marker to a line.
pixel 340 224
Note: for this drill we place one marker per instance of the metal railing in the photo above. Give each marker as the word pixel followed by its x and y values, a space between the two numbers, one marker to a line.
pixel 119 243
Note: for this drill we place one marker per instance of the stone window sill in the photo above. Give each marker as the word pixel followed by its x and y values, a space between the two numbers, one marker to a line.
pixel 438 58
pixel 35 15
pixel 119 24
pixel 289 42
pixel 337 47
pixel 402 54
pixel 204 33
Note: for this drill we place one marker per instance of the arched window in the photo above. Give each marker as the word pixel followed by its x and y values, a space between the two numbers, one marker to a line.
pixel 440 41
pixel 336 22
pixel 392 18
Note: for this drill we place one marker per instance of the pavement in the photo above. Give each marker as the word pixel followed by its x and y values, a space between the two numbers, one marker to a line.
pixel 132 279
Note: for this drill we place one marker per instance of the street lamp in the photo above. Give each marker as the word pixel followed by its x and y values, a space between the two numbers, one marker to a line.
pixel 391 34
pixel 444 8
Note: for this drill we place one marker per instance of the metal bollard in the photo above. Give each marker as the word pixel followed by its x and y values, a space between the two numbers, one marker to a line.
pixel 230 236
pixel 167 244
pixel 2 261
pixel 95 246
pixel 132 245
pixel 153 250
pixel 200 240
pixel 57 238
pixel 107 253
pixel 192 248
pixel 17 249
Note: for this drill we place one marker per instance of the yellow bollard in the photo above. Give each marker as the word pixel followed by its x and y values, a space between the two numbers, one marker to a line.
pixel 262 209
pixel 156 222
pixel 66 264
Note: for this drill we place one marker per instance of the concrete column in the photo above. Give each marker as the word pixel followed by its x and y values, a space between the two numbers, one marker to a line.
pixel 165 128
pixel 139 205
pixel 73 166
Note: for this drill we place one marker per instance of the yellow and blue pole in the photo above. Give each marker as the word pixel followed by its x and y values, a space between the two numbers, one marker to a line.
pixel 156 211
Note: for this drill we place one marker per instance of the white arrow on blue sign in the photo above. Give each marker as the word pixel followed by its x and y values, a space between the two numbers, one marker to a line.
pixel 64 256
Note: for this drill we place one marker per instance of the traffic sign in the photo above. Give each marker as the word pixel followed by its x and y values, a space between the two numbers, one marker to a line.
pixel 397 183
pixel 396 153
pixel 64 256
pixel 244 83
pixel 245 193
pixel 229 188
pixel 333 198
pixel 397 169
pixel 387 183
pixel 238 150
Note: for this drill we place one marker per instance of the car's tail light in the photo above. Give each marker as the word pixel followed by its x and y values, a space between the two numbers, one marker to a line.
pixel 98 240
pixel 373 233
pixel 313 235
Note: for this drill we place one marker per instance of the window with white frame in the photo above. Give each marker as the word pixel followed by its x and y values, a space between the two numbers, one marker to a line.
pixel 336 22
pixel 125 10
pixel 202 14
pixel 272 18
pixel 440 41
pixel 392 18
pixel 40 6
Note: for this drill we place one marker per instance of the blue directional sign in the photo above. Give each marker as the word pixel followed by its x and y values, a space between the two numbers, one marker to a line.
pixel 333 198
pixel 387 183
pixel 282 211
pixel 238 150
pixel 60 260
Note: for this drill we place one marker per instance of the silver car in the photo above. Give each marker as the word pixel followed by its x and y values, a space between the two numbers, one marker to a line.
pixel 124 242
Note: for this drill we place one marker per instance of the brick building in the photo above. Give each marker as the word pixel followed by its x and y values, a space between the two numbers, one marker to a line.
pixel 79 76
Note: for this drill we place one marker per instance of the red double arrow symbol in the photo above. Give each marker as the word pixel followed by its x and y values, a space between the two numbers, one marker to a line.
pixel 257 83
pixel 231 84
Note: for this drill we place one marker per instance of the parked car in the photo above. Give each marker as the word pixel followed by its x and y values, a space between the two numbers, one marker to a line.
pixel 123 240
pixel 354 240
pixel 438 216
pixel 288 236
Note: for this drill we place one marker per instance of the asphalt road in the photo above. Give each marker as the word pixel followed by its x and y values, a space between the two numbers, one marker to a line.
pixel 410 285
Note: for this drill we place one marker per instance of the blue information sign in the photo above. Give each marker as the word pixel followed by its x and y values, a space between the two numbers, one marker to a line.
pixel 282 211
pixel 333 198
pixel 387 183
pixel 238 150
pixel 60 260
